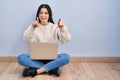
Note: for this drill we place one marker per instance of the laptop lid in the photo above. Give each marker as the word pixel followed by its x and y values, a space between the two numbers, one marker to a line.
pixel 43 51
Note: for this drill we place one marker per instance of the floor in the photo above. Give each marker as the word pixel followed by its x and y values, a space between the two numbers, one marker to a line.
pixel 73 71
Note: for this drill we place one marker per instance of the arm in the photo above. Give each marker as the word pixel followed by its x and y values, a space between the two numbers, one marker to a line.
pixel 28 34
pixel 63 34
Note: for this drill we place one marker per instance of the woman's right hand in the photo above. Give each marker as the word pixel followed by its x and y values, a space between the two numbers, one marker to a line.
pixel 35 23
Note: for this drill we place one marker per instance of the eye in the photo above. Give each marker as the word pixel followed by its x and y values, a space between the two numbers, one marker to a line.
pixel 46 13
pixel 41 13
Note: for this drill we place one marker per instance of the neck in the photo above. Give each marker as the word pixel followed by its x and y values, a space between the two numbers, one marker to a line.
pixel 44 23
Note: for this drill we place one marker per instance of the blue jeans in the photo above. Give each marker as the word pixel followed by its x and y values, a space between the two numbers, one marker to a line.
pixel 62 59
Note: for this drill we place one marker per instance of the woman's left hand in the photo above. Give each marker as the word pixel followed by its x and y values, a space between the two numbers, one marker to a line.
pixel 60 23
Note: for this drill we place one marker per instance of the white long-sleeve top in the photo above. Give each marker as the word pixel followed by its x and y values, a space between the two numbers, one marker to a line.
pixel 49 33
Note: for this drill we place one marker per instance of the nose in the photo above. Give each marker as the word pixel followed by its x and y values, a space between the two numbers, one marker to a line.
pixel 43 14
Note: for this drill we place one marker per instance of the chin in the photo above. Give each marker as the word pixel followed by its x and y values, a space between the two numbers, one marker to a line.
pixel 44 21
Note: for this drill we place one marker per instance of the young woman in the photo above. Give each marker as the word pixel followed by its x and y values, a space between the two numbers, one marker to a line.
pixel 43 29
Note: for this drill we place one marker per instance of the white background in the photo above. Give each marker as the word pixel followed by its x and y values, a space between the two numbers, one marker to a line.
pixel 94 25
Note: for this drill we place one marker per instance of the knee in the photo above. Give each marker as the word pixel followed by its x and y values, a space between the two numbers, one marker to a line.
pixel 66 58
pixel 21 58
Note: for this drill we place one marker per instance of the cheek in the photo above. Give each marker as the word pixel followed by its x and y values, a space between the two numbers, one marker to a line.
pixel 48 16
pixel 39 16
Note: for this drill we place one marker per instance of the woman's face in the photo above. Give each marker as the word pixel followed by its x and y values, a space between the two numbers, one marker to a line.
pixel 44 16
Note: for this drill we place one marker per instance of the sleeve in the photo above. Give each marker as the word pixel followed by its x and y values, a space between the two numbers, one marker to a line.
pixel 63 34
pixel 28 34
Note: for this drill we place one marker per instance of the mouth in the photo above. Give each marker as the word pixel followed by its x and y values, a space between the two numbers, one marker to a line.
pixel 43 19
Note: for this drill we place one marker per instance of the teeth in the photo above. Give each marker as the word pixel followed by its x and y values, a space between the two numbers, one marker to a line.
pixel 43 18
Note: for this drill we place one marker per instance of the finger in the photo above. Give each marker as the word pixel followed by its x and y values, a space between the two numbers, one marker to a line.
pixel 59 21
pixel 37 19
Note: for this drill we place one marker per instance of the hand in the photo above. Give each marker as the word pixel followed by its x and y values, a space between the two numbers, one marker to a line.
pixel 60 23
pixel 35 23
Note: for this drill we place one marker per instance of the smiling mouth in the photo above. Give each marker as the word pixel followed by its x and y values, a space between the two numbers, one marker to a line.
pixel 43 18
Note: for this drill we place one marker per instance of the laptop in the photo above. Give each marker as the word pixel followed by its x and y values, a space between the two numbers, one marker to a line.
pixel 43 51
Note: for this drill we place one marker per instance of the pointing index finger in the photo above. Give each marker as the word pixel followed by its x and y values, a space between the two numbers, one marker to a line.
pixel 37 19
pixel 59 21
